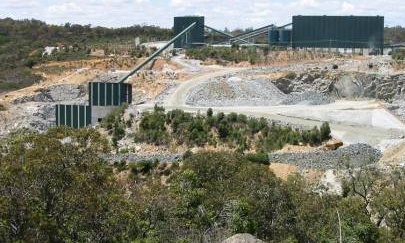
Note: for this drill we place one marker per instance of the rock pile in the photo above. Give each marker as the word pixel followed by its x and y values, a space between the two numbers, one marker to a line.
pixel 142 157
pixel 243 90
pixel 307 98
pixel 356 155
pixel 55 93
pixel 235 92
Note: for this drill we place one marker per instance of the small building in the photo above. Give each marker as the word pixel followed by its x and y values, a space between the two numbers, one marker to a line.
pixel 103 98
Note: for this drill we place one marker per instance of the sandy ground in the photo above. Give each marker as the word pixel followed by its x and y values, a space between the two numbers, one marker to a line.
pixel 282 171
pixel 395 155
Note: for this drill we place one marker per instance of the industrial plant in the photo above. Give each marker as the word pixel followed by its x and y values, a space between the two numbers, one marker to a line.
pixel 316 32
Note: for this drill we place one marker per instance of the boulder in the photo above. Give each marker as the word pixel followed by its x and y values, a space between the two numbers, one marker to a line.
pixel 242 238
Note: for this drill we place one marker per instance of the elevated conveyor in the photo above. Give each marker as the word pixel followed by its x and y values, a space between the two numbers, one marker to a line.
pixel 156 53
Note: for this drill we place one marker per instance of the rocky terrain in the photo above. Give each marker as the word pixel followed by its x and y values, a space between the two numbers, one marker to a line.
pixel 235 92
pixel 37 110
pixel 355 155
pixel 344 85
pixel 271 86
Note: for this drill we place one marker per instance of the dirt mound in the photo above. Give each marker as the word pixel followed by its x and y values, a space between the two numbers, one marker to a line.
pixel 394 155
pixel 235 92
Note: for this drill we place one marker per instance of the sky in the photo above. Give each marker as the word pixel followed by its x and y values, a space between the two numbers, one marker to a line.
pixel 218 13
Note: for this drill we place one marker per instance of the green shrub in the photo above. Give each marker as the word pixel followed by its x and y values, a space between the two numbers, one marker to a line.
pixel 314 136
pixel 121 166
pixel 398 54
pixel 115 124
pixel 143 166
pixel 152 128
pixel 325 131
pixel 187 154
pixel 209 112
pixel 2 107
pixel 259 158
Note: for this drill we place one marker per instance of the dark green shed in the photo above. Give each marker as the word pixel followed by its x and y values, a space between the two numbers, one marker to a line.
pixel 75 116
pixel 194 37
pixel 338 31
pixel 109 94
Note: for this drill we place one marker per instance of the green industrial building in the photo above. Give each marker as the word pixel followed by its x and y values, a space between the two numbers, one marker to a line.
pixel 103 98
pixel 338 32
pixel 194 37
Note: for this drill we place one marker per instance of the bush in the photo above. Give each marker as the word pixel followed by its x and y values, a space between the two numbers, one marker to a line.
pixel 314 136
pixel 187 154
pixel 209 112
pixel 121 166
pixel 114 124
pixel 152 128
pixel 2 107
pixel 325 131
pixel 258 158
pixel 143 166
pixel 398 54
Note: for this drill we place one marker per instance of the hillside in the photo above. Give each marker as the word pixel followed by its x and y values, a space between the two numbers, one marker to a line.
pixel 22 43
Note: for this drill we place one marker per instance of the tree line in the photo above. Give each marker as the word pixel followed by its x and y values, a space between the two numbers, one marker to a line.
pixel 55 187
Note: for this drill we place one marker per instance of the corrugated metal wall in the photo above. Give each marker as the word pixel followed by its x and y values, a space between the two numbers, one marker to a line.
pixel 285 37
pixel 75 116
pixel 100 94
pixel 109 94
pixel 196 35
pixel 274 37
pixel 338 31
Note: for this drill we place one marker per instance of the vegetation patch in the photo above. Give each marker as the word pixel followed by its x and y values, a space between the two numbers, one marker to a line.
pixel 23 42
pixel 235 54
pixel 64 192
pixel 115 124
pixel 398 55
pixel 235 131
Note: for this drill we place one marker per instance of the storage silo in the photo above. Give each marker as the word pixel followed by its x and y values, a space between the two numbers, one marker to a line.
pixel 274 37
pixel 285 37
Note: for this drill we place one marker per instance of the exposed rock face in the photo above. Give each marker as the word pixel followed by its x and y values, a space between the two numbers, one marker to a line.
pixel 344 85
pixel 55 93
pixel 242 238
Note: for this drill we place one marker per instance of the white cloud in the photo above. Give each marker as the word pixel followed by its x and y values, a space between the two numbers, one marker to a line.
pixel 308 3
pixel 219 14
pixel 347 7
pixel 18 4
pixel 66 8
